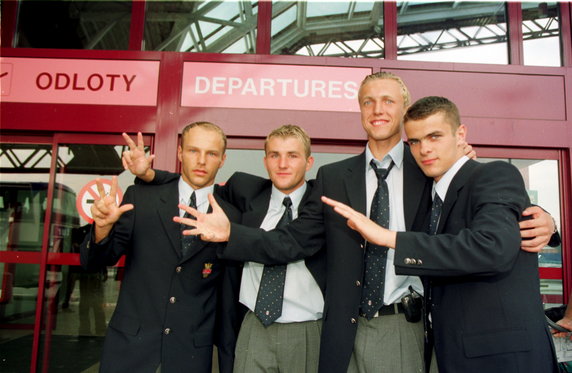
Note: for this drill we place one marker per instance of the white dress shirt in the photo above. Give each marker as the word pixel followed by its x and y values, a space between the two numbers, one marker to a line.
pixel 201 196
pixel 303 299
pixel 440 187
pixel 395 286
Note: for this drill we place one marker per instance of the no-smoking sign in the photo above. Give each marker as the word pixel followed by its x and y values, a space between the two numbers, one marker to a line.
pixel 89 194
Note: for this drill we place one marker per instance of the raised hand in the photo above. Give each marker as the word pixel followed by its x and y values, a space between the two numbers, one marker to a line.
pixel 212 227
pixel 537 230
pixel 369 230
pixel 135 159
pixel 105 211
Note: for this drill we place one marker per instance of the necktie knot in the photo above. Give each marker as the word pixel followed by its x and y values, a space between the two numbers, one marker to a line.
pixel 381 173
pixel 287 216
pixel 287 202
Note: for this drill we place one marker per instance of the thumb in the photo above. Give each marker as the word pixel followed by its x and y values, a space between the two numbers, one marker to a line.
pixel 125 208
pixel 214 204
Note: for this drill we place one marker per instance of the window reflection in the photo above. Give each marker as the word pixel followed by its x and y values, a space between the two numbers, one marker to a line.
pixel 459 31
pixel 541 33
pixel 74 24
pixel 201 26
pixel 322 28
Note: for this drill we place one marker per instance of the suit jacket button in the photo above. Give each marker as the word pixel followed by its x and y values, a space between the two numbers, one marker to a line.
pixel 358 283
pixel 419 261
pixel 172 300
pixel 407 261
pixel 353 321
pixel 167 331
pixel 413 261
pixel 178 269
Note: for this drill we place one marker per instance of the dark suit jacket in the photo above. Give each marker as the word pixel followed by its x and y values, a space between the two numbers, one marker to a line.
pixel 485 304
pixel 166 308
pixel 343 181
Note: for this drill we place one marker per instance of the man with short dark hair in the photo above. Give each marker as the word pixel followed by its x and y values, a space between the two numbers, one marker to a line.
pixel 482 293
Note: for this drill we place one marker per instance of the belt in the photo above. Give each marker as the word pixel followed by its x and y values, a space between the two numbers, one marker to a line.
pixel 392 309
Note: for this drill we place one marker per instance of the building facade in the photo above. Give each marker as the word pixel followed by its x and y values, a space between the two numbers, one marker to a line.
pixel 76 74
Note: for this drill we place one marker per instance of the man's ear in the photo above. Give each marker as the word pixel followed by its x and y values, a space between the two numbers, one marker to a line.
pixel 462 133
pixel 180 153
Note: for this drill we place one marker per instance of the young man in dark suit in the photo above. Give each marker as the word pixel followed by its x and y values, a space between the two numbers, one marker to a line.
pixel 382 340
pixel 167 306
pixel 482 292
pixel 289 341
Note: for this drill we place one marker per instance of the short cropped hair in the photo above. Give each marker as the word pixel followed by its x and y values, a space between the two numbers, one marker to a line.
pixel 430 105
pixel 291 130
pixel 391 76
pixel 208 126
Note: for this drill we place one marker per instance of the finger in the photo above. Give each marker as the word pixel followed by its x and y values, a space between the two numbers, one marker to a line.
pixel 124 162
pixel 127 157
pixel 333 202
pixel 113 191
pixel 151 158
pixel 129 141
pixel 189 209
pixel 100 188
pixel 185 221
pixel 125 208
pixel 214 204
pixel 532 210
pixel 140 141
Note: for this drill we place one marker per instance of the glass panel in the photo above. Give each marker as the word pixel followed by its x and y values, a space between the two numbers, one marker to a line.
pixel 541 182
pixel 24 170
pixel 452 31
pixel 201 26
pixel 541 33
pixel 79 303
pixel 74 24
pixel 322 28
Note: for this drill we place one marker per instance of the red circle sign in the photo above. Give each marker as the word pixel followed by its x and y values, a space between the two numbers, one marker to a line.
pixel 88 194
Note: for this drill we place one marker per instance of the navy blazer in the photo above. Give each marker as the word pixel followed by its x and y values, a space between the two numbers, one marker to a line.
pixel 482 290
pixel 167 306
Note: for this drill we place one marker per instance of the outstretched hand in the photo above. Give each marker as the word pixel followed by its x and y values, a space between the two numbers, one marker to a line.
pixel 369 230
pixel 212 227
pixel 538 230
pixel 135 159
pixel 105 211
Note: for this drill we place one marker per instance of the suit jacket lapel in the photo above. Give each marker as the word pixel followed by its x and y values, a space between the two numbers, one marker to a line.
pixel 457 184
pixel 354 179
pixel 414 183
pixel 167 208
pixel 258 208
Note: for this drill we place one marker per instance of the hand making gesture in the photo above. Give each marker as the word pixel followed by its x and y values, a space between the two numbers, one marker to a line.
pixel 212 227
pixel 105 211
pixel 135 159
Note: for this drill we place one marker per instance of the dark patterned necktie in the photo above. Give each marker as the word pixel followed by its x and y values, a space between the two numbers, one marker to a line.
pixel 188 241
pixel 376 256
pixel 271 292
pixel 435 214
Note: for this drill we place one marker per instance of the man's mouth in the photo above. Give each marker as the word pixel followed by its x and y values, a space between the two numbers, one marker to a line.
pixel 428 162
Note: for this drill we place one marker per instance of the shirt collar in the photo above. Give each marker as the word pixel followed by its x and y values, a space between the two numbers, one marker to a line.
pixel 201 195
pixel 442 185
pixel 296 196
pixel 395 155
